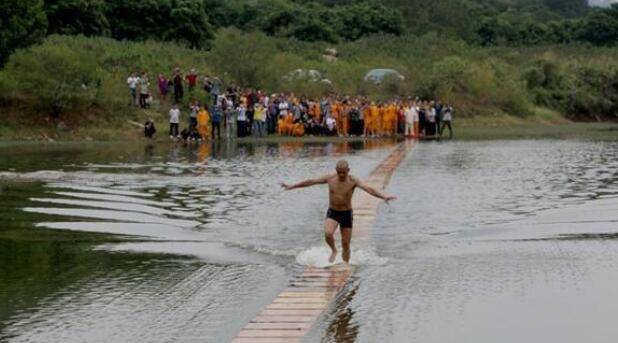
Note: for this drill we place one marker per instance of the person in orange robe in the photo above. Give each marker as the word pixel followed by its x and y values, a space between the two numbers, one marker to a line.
pixel 390 122
pixel 380 123
pixel 203 121
pixel 336 109
pixel 280 126
pixel 375 119
pixel 299 130
pixel 344 123
pixel 367 120
pixel 285 125
pixel 317 112
pixel 289 123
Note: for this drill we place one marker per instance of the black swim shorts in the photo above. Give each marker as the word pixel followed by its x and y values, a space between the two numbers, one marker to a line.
pixel 344 218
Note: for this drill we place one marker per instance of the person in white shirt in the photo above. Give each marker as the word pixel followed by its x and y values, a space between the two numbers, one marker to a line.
pixel 331 125
pixel 241 121
pixel 174 120
pixel 283 108
pixel 430 129
pixel 132 83
pixel 230 119
pixel 408 114
pixel 144 90
pixel 415 119
pixel 446 120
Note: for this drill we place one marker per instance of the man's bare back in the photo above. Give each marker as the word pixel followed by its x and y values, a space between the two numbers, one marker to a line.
pixel 341 187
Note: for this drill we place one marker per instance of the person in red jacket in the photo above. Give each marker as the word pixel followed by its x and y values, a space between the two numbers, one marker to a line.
pixel 191 79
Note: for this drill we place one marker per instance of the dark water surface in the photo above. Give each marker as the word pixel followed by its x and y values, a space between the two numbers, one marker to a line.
pixel 496 241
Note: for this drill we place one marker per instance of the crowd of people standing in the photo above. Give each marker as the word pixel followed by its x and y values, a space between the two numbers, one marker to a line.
pixel 250 112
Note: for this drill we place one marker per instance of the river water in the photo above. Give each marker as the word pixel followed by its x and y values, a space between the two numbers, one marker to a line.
pixel 490 241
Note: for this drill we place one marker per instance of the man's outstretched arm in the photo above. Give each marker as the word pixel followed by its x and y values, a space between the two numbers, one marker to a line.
pixel 374 191
pixel 307 183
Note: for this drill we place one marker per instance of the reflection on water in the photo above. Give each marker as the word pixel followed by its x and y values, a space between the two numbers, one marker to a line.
pixel 343 328
pixel 506 241
pixel 477 250
pixel 219 202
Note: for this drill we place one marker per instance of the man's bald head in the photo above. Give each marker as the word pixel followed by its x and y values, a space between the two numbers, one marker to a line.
pixel 342 170
pixel 342 165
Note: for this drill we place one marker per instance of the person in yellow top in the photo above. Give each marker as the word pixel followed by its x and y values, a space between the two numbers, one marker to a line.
pixel 372 119
pixel 385 112
pixel 390 119
pixel 203 120
pixel 335 110
pixel 380 119
pixel 314 110
pixel 344 121
pixel 367 120
pixel 259 120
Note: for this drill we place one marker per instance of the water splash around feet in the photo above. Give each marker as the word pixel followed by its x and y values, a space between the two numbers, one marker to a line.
pixel 319 257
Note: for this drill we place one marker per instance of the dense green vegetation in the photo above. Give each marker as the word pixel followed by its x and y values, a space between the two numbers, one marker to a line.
pixel 517 57
pixel 22 23
pixel 84 78
pixel 192 22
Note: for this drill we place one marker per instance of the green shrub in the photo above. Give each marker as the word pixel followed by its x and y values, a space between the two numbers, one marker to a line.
pixel 242 56
pixel 59 78
pixel 5 89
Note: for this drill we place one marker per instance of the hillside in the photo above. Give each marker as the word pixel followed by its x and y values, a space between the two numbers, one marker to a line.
pixel 69 59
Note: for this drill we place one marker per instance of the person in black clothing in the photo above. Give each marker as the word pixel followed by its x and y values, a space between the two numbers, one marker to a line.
pixel 217 115
pixel 149 128
pixel 422 118
pixel 252 99
pixel 446 121
pixel 438 108
pixel 178 88
pixel 354 116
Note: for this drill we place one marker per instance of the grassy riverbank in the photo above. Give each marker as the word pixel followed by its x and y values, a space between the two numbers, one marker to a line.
pixel 81 81
pixel 470 128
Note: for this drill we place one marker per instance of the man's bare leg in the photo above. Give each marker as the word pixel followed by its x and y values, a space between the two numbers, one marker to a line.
pixel 330 226
pixel 346 238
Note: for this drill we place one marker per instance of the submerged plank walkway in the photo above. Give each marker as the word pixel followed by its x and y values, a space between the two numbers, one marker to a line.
pixel 290 316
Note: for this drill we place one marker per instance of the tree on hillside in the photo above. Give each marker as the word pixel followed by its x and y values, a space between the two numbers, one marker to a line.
pixel 601 27
pixel 22 23
pixel 365 18
pixel 183 21
pixel 72 17
pixel 568 8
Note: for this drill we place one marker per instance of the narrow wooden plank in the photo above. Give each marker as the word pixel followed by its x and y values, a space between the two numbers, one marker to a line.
pixel 315 276
pixel 312 288
pixel 330 290
pixel 284 319
pixel 305 294
pixel 291 312
pixel 280 306
pixel 334 283
pixel 272 333
pixel 278 326
pixel 312 279
pixel 298 300
pixel 266 340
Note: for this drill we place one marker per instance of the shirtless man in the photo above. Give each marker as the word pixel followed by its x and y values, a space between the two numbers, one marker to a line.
pixel 341 187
